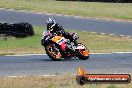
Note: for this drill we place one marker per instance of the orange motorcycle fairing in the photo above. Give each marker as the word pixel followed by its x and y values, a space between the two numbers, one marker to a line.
pixel 56 38
pixel 61 41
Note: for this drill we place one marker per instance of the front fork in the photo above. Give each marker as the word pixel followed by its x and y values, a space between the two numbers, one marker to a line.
pixel 73 46
pixel 75 42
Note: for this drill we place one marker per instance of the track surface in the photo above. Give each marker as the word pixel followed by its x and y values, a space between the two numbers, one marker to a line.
pixel 69 22
pixel 42 65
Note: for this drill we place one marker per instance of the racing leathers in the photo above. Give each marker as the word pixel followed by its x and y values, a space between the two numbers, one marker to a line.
pixel 56 28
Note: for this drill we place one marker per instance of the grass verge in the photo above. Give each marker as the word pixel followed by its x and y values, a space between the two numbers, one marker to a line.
pixel 86 9
pixel 95 43
pixel 52 82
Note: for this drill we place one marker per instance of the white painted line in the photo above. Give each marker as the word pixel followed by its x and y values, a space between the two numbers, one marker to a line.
pixel 26 55
pixel 48 75
pixel 94 32
pixel 11 9
pixel 39 13
pixel 84 31
pixel 122 52
pixel 48 13
pixel 102 33
pixel 16 76
pixel 90 53
pixel 29 76
pixel 111 34
pixel 23 10
pixel 114 53
pixel 129 36
pixel 97 18
pixel 101 53
pixel 57 14
pixel 2 8
pixel 121 35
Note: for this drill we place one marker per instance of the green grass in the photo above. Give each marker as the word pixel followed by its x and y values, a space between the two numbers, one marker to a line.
pixel 52 82
pixel 22 45
pixel 86 9
pixel 94 42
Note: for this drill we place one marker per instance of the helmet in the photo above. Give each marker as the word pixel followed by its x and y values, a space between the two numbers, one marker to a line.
pixel 50 23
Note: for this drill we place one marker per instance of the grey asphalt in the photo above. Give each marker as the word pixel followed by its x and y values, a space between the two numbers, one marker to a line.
pixel 89 24
pixel 42 65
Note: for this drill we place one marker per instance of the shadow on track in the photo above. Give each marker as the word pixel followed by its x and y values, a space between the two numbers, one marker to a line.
pixel 72 59
pixel 33 59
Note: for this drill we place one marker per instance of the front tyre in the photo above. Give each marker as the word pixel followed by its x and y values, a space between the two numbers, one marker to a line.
pixel 82 54
pixel 53 52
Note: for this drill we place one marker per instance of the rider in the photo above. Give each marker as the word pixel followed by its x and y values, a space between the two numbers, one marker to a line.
pixel 54 27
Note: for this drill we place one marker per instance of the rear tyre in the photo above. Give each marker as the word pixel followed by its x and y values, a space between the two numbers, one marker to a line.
pixel 53 52
pixel 82 54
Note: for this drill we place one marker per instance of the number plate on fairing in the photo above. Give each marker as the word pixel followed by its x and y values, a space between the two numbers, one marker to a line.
pixel 61 41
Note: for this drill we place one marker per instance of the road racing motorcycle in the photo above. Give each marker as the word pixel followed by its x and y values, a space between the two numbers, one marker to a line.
pixel 57 47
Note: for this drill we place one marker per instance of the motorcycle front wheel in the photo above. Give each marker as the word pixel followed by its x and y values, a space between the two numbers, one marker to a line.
pixel 53 52
pixel 83 54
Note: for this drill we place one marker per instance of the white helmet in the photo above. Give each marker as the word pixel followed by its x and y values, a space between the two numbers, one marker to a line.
pixel 50 23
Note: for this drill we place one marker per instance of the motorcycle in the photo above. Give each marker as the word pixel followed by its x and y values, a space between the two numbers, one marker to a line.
pixel 57 47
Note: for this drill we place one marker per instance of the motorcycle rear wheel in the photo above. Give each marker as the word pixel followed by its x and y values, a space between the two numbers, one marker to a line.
pixel 54 54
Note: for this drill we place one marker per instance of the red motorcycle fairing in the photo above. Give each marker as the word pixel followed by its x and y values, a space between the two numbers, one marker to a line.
pixel 63 46
pixel 60 41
